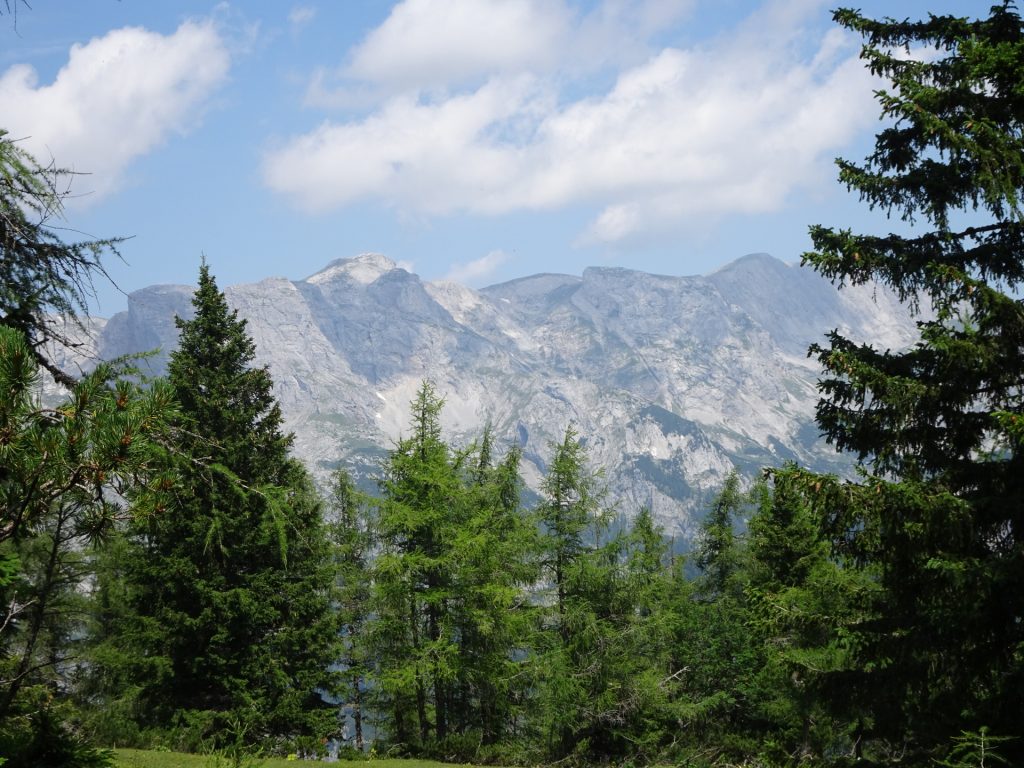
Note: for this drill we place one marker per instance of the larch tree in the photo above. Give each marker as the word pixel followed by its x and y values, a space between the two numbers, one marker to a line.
pixel 45 282
pixel 449 615
pixel 495 549
pixel 354 538
pixel 422 505
pixel 580 578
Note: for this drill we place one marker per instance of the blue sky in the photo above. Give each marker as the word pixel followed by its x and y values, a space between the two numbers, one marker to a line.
pixel 477 140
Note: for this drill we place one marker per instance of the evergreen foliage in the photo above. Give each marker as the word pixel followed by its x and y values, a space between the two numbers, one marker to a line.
pixel 607 668
pixel 229 618
pixel 719 554
pixel 799 602
pixel 716 643
pixel 494 549
pixel 353 540
pixel 66 475
pixel 875 621
pixel 581 579
pixel 45 282
pixel 420 510
pixel 448 609
pixel 938 517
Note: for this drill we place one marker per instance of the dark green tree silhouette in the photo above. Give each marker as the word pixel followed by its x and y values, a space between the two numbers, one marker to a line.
pixel 231 585
pixel 939 513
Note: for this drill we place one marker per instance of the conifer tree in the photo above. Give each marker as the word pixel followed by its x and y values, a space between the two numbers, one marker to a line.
pixel 231 585
pixel 571 506
pixel 45 282
pixel 422 505
pixel 800 601
pixel 939 513
pixel 495 549
pixel 582 580
pixel 66 475
pixel 448 611
pixel 719 553
pixel 714 640
pixel 353 546
pixel 635 703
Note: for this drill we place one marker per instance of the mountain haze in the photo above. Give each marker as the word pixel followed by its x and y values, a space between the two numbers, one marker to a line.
pixel 671 380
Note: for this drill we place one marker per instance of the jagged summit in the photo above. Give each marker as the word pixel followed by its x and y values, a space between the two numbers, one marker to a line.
pixel 673 380
pixel 364 269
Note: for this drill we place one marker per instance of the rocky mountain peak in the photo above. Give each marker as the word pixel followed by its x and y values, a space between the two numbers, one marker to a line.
pixel 364 269
pixel 673 380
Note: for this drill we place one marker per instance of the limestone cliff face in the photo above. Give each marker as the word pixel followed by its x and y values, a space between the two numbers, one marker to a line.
pixel 671 380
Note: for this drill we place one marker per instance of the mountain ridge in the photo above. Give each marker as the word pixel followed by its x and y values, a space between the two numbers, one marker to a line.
pixel 673 380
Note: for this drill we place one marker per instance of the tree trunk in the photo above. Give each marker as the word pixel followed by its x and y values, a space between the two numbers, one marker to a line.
pixel 38 615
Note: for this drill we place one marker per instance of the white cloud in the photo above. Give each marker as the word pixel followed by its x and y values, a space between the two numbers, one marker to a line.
pixel 440 42
pixel 426 157
pixel 434 45
pixel 118 97
pixel 478 269
pixel 735 125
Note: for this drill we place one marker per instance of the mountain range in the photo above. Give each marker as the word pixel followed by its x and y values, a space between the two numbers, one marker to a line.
pixel 671 381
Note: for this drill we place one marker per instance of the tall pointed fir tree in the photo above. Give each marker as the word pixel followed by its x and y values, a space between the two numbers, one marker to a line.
pixel 575 650
pixel 231 585
pixel 800 600
pixel 939 514
pixel 715 643
pixel 495 548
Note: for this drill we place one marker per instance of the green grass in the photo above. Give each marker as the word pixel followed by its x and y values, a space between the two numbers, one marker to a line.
pixel 141 758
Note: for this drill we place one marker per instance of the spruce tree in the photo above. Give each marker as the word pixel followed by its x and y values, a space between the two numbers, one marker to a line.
pixel 939 513
pixel 715 642
pixel 719 553
pixel 800 600
pixel 231 585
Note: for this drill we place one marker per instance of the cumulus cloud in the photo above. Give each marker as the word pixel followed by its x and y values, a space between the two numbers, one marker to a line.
pixel 434 45
pixel 735 125
pixel 118 97
pixel 437 42
pixel 426 157
pixel 478 269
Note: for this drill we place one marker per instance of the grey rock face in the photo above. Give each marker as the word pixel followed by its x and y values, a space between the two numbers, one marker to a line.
pixel 671 380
